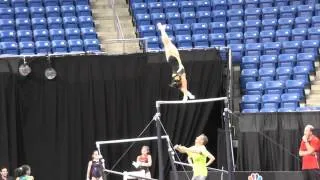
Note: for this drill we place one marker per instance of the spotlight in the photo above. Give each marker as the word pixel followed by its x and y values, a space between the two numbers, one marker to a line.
pixel 24 69
pixel 50 73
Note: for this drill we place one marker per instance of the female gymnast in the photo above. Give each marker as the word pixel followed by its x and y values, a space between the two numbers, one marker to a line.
pixel 95 167
pixel 144 161
pixel 179 79
pixel 23 173
pixel 197 157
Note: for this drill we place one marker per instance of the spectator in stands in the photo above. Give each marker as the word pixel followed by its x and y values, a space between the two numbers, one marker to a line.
pixel 95 167
pixel 23 173
pixel 144 161
pixel 179 79
pixel 309 150
pixel 4 175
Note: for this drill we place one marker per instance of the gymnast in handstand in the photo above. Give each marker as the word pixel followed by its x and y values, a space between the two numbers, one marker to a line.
pixel 179 79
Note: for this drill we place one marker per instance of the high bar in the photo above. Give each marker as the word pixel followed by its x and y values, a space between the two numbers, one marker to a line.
pixel 98 143
pixel 126 174
pixel 213 169
pixel 158 103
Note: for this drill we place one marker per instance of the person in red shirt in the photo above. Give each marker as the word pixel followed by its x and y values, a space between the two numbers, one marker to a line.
pixel 309 151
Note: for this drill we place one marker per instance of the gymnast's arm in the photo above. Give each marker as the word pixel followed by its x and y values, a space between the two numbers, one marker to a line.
pixel 88 170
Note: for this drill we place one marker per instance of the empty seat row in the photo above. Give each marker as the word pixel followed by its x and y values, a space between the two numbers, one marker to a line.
pixel 39 3
pixel 45 47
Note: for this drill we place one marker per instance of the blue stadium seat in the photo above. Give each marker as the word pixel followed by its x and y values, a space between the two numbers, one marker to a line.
pixel 267 74
pixel 235 14
pixel 139 8
pixel 158 18
pixel 8 35
pixel 250 102
pixel 68 10
pixel 217 27
pixel 248 75
pixel 252 13
pixel 23 24
pixel 270 102
pixel 301 73
pixel 75 45
pixel 269 24
pixel 306 59
pixel 37 12
pixel 39 23
pixel 74 33
pixel 310 46
pixel 54 22
pixel 253 49
pixel 274 87
pixel 296 2
pixel 172 38
pixel 153 43
pixel 66 2
pixel 182 29
pixel 200 40
pixel 53 11
pixel 56 34
pixel 251 37
pixel 24 35
pixel 144 19
pixel 267 36
pixel 317 9
pixel 169 30
pixel 91 45
pixel 287 60
pixel 252 25
pixel 285 23
pixel 295 86
pixel 219 16
pixel 184 41
pixel 266 3
pixel 290 101
pixel 146 30
pixel 199 28
pixel 171 6
pixel 250 62
pixel 155 7
pixel 250 111
pixel 43 47
pixel 234 37
pixel 287 11
pixel 6 13
pixel 51 3
pixel 26 48
pixel 283 34
pixel 279 3
pixel 268 61
pixel 203 5
pixel 188 17
pixel 291 47
pixel 235 4
pixel 251 3
pixel 291 109
pixel 149 1
pixel 314 33
pixel 270 13
pixel 5 3
pixel 41 35
pixel 219 4
pixel 271 48
pixel 255 88
pixel 217 39
pixel 85 21
pixel 83 10
pixel 9 48
pixel 299 34
pixel 18 3
pixel 305 109
pixel 235 26
pixel 59 46
pixel 71 22
pixel 88 33
pixel 187 6
pixel 237 52
pixel 302 22
pixel 19 12
pixel 284 73
pixel 315 20
pixel 203 16
pixel 305 10
pixel 34 3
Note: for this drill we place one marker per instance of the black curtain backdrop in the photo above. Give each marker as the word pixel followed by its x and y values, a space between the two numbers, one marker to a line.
pixel 270 141
pixel 53 125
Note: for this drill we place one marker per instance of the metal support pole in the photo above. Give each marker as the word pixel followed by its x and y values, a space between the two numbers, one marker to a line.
pixel 171 156
pixel 228 143
pixel 160 155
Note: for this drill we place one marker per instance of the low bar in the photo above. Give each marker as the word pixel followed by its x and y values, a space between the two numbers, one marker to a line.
pixel 130 140
pixel 158 103
pixel 213 169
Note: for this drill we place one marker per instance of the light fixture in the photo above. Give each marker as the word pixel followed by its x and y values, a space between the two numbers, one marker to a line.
pixel 24 69
pixel 50 72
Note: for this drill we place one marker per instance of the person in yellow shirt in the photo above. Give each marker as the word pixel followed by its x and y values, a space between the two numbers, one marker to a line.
pixel 197 157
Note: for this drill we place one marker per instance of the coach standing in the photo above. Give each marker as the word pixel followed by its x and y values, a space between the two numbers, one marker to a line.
pixel 309 150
